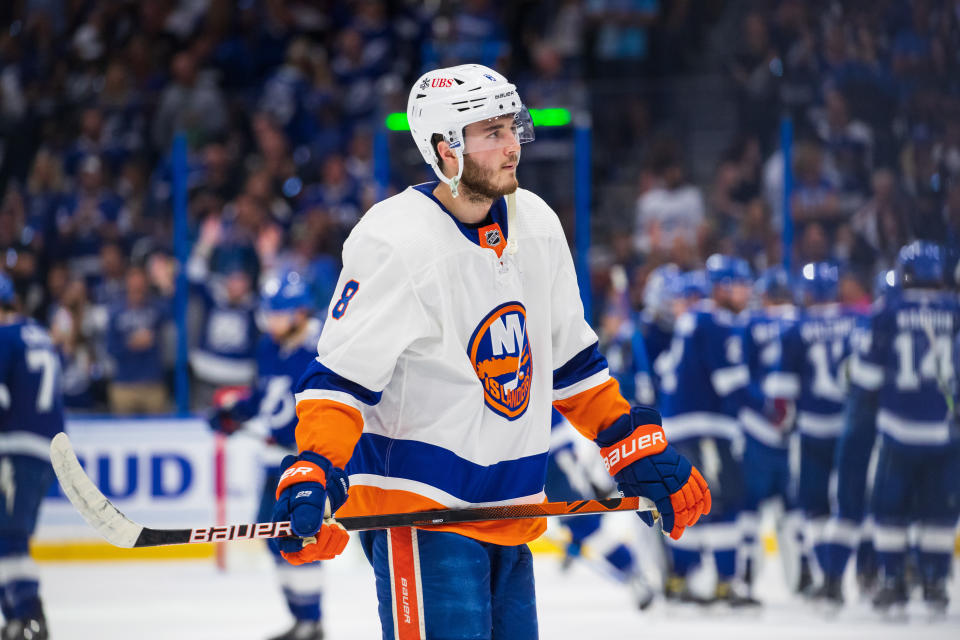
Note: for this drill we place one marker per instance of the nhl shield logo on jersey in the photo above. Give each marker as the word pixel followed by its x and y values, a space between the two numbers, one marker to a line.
pixel 500 353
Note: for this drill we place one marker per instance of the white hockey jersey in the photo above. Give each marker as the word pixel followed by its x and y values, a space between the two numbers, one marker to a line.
pixel 441 357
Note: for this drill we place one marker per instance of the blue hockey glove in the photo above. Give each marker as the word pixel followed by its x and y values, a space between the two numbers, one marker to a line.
pixel 222 417
pixel 310 490
pixel 636 453
pixel 222 421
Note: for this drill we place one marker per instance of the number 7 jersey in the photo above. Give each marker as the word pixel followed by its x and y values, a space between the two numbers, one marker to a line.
pixel 907 355
pixel 31 395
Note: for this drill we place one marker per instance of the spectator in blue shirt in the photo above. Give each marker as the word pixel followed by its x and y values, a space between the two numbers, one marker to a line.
pixel 225 310
pixel 133 342
pixel 86 218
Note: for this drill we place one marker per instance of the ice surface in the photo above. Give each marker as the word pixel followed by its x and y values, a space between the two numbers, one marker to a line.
pixel 193 600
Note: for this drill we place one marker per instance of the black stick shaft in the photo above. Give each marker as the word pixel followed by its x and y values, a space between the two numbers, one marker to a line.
pixel 156 537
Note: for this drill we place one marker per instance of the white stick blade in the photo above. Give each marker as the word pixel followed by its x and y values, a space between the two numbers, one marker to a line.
pixel 88 500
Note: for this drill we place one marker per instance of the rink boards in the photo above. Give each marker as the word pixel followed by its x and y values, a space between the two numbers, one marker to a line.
pixel 160 472
pixel 157 471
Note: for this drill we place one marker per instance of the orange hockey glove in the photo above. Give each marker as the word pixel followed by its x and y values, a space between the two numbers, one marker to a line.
pixel 636 453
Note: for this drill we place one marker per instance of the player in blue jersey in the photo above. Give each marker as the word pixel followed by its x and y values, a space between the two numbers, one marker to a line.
pixel 626 355
pixel 269 410
pixel 704 383
pixel 225 349
pixel 765 421
pixel 667 296
pixel 906 375
pixel 680 292
pixel 569 478
pixel 31 413
pixel 657 318
pixel 846 530
pixel 810 373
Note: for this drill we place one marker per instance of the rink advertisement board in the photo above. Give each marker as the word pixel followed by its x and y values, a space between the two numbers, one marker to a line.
pixel 157 471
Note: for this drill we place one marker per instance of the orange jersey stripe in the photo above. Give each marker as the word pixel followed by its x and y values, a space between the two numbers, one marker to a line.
pixel 366 500
pixel 329 428
pixel 405 590
pixel 593 410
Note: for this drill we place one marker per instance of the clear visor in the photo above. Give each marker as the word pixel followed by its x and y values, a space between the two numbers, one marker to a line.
pixel 509 130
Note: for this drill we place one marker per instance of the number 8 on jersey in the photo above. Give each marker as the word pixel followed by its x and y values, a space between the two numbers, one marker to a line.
pixel 349 290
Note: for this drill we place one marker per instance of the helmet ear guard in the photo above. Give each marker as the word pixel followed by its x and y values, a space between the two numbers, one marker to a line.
pixel 454 183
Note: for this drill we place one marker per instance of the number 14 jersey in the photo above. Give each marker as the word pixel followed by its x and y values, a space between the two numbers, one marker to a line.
pixel 907 355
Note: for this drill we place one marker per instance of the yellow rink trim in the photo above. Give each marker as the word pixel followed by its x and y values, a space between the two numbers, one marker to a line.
pixel 93 551
pixel 546 546
pixel 44 551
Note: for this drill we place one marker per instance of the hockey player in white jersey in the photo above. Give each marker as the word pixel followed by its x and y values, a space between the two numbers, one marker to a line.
pixel 455 328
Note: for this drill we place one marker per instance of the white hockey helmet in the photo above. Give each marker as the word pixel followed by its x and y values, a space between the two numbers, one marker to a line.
pixel 444 101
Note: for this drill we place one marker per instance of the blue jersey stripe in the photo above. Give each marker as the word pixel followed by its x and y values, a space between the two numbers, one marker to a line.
pixel 445 470
pixel 318 376
pixel 580 367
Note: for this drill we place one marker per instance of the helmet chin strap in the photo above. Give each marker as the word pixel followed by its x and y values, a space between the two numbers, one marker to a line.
pixel 454 182
pixel 512 223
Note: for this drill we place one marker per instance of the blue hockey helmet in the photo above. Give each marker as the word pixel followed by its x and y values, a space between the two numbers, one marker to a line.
pixel 722 269
pixel 774 283
pixel 285 291
pixel 820 282
pixel 660 288
pixel 921 264
pixel 7 292
pixel 694 284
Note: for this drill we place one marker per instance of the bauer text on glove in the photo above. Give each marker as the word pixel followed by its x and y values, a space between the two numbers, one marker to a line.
pixel 636 453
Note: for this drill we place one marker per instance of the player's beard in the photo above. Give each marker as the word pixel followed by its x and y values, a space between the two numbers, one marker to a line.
pixel 479 183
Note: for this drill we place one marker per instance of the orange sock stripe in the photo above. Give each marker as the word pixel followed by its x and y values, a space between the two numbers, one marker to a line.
pixel 645 440
pixel 593 410
pixel 329 428
pixel 405 588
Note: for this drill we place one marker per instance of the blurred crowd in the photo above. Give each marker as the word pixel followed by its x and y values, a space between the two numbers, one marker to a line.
pixel 280 102
pixel 872 90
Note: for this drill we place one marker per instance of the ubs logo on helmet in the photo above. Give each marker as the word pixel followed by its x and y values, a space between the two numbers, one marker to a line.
pixel 500 353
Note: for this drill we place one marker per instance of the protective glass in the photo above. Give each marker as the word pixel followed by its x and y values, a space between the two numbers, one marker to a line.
pixel 496 133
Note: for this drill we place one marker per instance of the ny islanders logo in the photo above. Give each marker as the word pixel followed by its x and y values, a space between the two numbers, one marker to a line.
pixel 500 353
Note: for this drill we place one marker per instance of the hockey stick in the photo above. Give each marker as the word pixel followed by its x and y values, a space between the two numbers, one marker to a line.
pixel 120 531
